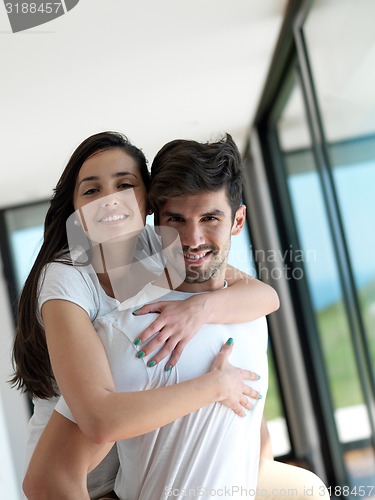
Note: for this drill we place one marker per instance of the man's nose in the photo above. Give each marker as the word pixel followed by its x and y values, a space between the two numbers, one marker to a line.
pixel 192 236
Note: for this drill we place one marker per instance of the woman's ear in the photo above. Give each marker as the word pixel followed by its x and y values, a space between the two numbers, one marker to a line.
pixel 239 220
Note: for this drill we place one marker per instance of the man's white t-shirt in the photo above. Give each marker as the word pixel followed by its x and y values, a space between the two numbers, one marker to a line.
pixel 210 452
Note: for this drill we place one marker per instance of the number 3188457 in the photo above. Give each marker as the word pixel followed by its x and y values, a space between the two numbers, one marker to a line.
pixel 33 8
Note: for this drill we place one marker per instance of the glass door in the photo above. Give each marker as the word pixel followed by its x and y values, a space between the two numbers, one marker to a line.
pixel 316 127
pixel 347 371
pixel 342 77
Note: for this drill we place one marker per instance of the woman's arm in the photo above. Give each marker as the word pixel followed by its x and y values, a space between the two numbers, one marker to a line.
pixel 61 460
pixel 82 372
pixel 249 298
pixel 245 299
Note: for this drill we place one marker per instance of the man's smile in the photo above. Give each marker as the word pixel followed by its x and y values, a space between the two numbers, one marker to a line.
pixel 196 258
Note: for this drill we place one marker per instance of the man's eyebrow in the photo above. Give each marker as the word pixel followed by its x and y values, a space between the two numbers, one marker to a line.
pixel 117 174
pixel 171 214
pixel 210 213
pixel 214 212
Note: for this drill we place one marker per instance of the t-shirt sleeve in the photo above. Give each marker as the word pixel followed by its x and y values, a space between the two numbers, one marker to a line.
pixel 66 282
pixel 62 408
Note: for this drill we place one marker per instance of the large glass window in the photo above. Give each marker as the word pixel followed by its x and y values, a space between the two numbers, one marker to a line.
pixel 21 237
pixel 344 78
pixel 24 236
pixel 323 278
pixel 353 163
pixel 324 131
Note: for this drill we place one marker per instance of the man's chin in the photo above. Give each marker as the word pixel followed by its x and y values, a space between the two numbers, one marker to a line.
pixel 196 281
pixel 194 277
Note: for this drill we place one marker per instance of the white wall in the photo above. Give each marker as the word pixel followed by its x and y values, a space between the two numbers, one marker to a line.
pixel 14 411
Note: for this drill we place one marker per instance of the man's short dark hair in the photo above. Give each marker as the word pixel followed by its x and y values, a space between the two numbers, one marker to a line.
pixel 184 167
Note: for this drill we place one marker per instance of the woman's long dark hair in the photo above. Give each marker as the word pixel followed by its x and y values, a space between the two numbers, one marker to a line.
pixel 31 362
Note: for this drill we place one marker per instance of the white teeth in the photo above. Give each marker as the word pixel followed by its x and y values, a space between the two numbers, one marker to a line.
pixel 112 218
pixel 194 257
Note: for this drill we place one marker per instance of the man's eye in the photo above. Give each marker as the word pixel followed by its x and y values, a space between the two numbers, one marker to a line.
pixel 174 219
pixel 211 218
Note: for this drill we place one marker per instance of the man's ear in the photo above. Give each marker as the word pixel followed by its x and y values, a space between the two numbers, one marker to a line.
pixel 239 220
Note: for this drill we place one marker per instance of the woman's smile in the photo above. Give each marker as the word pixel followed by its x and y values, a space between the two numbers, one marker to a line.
pixel 114 218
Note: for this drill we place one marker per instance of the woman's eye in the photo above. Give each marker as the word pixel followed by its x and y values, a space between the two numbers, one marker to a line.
pixel 125 185
pixel 90 191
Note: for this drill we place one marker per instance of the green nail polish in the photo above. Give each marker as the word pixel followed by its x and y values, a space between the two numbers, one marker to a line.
pixel 136 311
pixel 137 341
pixel 151 363
pixel 140 354
pixel 260 396
pixel 168 368
pixel 258 377
pixel 230 341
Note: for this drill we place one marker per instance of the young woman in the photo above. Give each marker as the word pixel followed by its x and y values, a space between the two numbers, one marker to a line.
pixel 56 347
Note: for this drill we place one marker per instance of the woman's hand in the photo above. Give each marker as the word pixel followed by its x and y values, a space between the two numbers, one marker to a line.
pixel 236 393
pixel 177 323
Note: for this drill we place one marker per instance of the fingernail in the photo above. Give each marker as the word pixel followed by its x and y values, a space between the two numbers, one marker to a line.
pixel 140 354
pixel 168 368
pixel 137 341
pixel 230 341
pixel 151 363
pixel 136 311
pixel 258 377
pixel 260 396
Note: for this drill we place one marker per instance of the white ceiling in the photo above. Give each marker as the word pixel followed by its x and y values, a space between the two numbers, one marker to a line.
pixel 155 70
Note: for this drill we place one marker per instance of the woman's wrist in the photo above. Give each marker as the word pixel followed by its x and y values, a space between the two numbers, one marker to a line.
pixel 202 307
pixel 222 382
pixel 215 385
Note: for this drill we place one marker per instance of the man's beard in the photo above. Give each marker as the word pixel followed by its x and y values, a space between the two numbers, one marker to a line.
pixel 200 274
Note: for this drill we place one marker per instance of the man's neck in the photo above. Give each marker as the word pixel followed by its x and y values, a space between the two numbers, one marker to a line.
pixel 217 282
